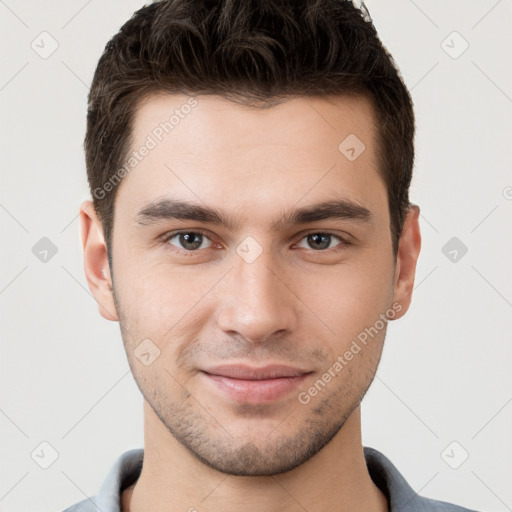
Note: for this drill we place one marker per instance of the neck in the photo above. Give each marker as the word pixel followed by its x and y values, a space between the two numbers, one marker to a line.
pixel 335 479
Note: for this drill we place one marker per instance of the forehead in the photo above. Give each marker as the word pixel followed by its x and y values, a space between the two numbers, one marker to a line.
pixel 209 149
pixel 209 122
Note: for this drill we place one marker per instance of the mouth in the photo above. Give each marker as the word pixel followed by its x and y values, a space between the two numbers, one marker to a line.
pixel 248 384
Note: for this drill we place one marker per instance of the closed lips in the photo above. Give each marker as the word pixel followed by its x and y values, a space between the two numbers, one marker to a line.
pixel 244 372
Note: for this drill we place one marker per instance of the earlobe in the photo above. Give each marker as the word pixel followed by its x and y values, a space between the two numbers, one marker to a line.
pixel 96 268
pixel 407 257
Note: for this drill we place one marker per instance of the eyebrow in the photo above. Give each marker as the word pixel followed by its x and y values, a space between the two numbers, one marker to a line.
pixel 167 209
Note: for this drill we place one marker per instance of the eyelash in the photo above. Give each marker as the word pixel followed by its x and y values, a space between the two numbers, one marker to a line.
pixel 344 243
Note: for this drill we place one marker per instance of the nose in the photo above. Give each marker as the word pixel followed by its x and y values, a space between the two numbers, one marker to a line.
pixel 256 301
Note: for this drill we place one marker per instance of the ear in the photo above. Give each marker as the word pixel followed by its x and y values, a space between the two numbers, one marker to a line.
pixel 96 268
pixel 407 257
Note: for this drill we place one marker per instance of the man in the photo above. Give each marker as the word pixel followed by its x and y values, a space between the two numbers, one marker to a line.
pixel 252 233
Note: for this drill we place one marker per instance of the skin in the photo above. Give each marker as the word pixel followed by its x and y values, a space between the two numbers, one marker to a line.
pixel 298 303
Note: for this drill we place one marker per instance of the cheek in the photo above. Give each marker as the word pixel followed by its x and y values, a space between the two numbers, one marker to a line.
pixel 147 284
pixel 162 303
pixel 347 300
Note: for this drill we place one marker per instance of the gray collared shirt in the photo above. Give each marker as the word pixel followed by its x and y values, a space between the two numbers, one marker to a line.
pixel 400 495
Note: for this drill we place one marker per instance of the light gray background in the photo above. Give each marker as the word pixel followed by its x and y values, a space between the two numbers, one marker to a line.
pixel 445 374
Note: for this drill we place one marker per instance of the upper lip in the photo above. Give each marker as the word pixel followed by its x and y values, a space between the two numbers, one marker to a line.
pixel 241 371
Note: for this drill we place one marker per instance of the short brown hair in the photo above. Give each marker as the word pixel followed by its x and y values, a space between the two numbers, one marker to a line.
pixel 255 52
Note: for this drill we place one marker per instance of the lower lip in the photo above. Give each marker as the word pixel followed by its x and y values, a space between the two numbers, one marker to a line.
pixel 255 391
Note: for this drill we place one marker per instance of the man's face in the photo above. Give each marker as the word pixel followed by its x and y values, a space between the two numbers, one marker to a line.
pixel 263 289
